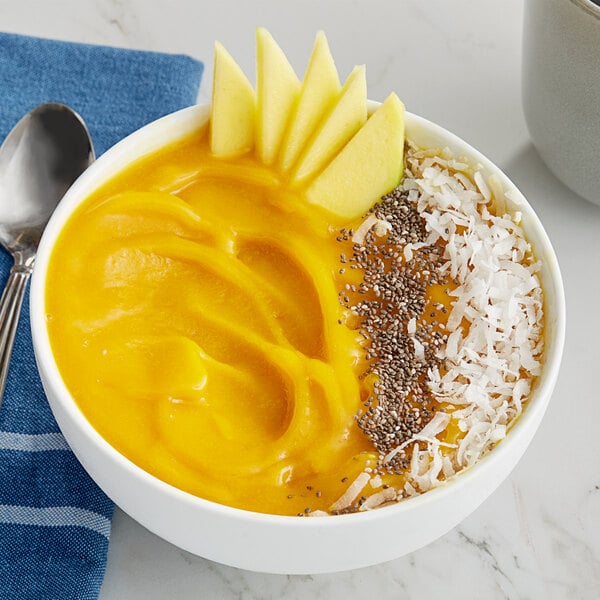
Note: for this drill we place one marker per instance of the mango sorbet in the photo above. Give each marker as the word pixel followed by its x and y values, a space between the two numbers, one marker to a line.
pixel 194 314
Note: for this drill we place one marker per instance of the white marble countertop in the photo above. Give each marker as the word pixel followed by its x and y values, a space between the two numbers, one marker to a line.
pixel 458 64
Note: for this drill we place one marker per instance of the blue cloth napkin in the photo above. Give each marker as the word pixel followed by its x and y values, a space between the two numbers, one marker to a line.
pixel 54 521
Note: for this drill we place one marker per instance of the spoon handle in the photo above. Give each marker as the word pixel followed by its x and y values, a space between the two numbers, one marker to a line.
pixel 10 310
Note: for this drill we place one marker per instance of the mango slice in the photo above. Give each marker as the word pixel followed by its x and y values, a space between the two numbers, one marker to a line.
pixel 233 109
pixel 368 167
pixel 277 89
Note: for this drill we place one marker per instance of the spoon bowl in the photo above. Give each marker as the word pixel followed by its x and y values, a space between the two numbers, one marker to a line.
pixel 41 157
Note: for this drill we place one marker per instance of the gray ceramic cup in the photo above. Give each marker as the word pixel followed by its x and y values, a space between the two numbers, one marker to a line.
pixel 561 89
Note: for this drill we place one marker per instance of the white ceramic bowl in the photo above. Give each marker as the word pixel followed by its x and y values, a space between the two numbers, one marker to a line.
pixel 279 544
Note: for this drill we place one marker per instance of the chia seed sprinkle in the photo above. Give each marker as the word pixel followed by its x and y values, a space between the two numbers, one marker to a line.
pixel 393 291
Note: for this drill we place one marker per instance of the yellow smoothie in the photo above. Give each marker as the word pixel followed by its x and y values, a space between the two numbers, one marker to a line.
pixel 194 314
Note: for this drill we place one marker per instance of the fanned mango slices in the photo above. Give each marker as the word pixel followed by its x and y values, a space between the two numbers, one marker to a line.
pixel 315 133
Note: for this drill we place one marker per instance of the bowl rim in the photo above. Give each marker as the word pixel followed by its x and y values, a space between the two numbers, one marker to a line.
pixel 589 6
pixel 195 117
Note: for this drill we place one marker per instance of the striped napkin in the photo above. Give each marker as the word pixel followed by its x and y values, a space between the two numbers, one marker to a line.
pixel 54 521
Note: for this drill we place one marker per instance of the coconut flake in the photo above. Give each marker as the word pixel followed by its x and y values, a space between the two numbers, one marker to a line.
pixel 376 481
pixel 352 492
pixel 411 327
pixel 381 226
pixel 419 349
pixel 483 186
pixel 438 423
pixel 379 498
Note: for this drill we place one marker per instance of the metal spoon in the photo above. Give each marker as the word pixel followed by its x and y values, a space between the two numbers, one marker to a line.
pixel 39 160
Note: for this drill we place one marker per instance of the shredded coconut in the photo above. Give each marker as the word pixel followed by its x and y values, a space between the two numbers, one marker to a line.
pixel 491 360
